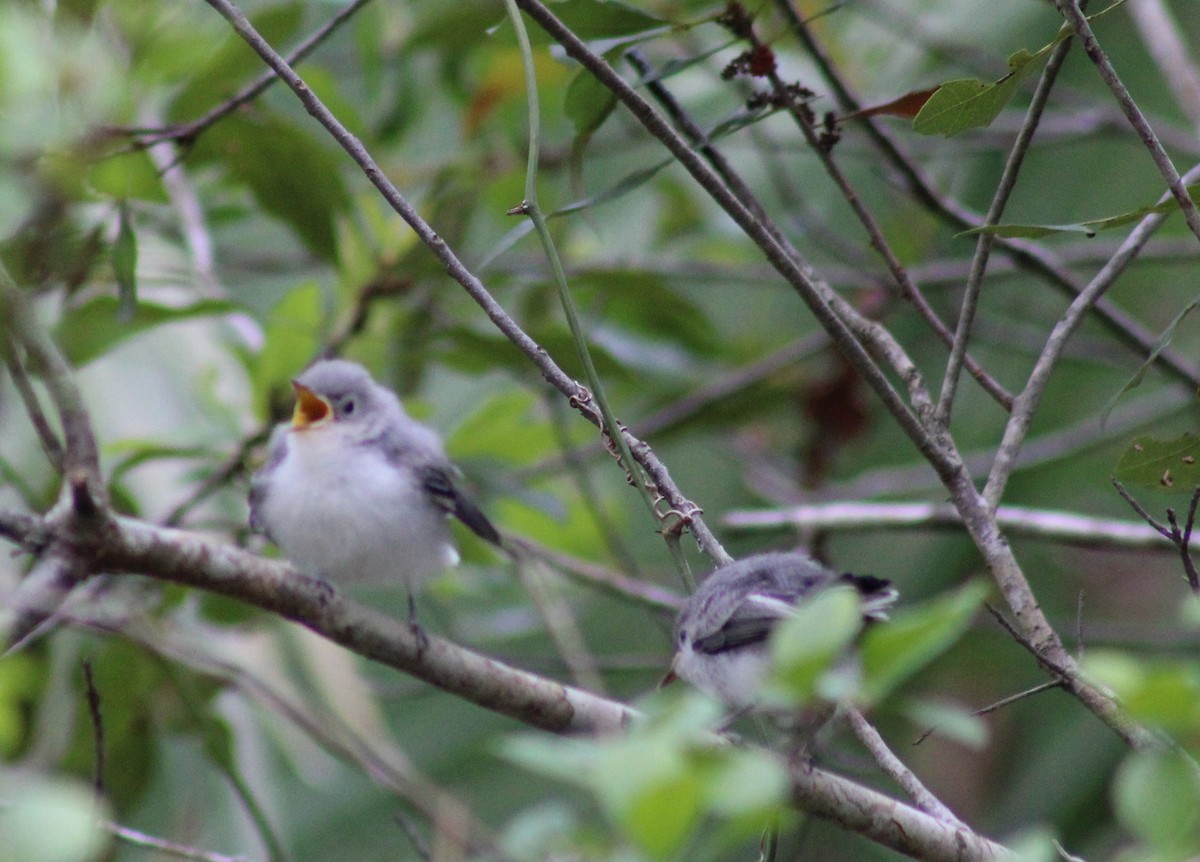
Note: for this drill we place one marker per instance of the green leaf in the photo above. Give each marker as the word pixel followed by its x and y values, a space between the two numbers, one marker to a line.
pixel 21 677
pixel 806 644
pixel 95 327
pixel 895 650
pixel 746 781
pixel 587 103
pixel 233 63
pixel 1161 464
pixel 592 20
pixel 50 819
pixel 1164 693
pixel 604 19
pixel 128 175
pixel 504 428
pixel 1087 228
pixel 292 174
pixel 292 337
pixel 124 257
pixel 969 103
pixel 1157 797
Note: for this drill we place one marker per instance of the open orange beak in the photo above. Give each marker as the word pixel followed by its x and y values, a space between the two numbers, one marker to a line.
pixel 669 677
pixel 311 408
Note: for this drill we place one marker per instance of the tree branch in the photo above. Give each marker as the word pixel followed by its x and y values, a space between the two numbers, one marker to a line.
pixel 887 821
pixel 474 287
pixel 1071 11
pixel 1065 527
pixel 132 546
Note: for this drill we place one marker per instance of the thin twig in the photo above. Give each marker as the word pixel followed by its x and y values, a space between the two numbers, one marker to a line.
pixel 851 333
pixel 1071 11
pixel 1165 43
pixel 187 133
pixel 895 769
pixel 172 848
pixel 1030 255
pixel 93 702
pixel 1180 538
pixel 1000 704
pixel 1054 525
pixel 454 267
pixel 81 458
pixel 561 625
pixel 804 118
pixel 983 246
pixel 1035 386
pixel 33 407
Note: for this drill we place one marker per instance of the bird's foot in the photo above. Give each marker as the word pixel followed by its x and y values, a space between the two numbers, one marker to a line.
pixel 419 634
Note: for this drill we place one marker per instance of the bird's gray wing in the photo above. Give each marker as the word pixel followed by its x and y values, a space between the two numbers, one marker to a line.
pixel 751 622
pixel 439 482
pixel 260 482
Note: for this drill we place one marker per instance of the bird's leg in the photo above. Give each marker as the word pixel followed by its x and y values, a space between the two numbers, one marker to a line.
pixel 414 626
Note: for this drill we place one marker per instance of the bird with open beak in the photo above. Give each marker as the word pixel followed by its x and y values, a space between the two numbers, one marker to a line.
pixel 355 491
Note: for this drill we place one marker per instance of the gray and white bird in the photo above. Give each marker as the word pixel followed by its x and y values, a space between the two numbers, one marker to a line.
pixel 721 633
pixel 355 491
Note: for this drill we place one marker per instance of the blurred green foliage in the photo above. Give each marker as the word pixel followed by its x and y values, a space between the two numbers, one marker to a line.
pixel 188 298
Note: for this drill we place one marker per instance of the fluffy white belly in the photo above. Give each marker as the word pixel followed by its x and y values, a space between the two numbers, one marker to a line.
pixel 354 519
pixel 734 677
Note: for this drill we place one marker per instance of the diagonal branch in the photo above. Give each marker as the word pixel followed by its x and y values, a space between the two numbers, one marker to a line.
pixel 1029 255
pixel 137 547
pixel 855 337
pixel 553 374
pixel 1070 9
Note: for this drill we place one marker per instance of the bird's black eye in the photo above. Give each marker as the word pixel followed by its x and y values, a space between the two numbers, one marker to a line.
pixel 348 407
pixel 683 635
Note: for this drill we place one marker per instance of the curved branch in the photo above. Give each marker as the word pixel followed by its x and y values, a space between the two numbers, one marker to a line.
pixel 129 545
pixel 887 821
pixel 175 555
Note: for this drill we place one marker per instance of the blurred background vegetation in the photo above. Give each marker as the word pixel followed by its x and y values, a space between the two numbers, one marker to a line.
pixel 187 298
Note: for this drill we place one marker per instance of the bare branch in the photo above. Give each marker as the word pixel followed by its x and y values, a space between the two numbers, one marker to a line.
pixel 896 770
pixel 887 821
pixel 1162 37
pixel 33 407
pixel 1030 255
pixel 1031 395
pixel 1070 9
pixel 185 558
pixel 474 287
pixel 1181 538
pixel 828 308
pixel 188 132
pixel 137 838
pixel 1066 527
pixel 983 246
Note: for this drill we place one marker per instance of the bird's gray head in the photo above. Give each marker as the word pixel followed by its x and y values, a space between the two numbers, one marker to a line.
pixel 337 391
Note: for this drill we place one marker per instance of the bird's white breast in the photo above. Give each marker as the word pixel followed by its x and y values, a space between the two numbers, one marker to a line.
pixel 341 510
pixel 734 676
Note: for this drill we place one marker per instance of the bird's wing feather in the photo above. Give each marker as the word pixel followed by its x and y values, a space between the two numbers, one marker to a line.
pixel 439 483
pixel 750 623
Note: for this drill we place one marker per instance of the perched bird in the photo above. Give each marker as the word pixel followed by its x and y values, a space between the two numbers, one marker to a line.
pixel 721 632
pixel 355 491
